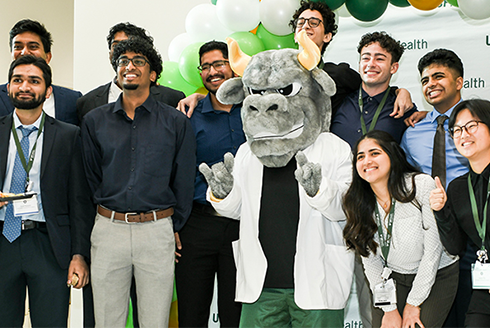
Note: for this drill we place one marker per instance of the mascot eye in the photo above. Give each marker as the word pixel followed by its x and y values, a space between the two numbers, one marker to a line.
pixel 256 92
pixel 290 90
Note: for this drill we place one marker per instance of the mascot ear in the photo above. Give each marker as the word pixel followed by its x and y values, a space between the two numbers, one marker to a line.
pixel 231 91
pixel 325 81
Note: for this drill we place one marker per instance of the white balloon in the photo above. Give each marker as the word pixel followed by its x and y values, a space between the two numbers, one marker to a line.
pixel 275 15
pixel 238 15
pixel 341 12
pixel 177 45
pixel 476 9
pixel 202 24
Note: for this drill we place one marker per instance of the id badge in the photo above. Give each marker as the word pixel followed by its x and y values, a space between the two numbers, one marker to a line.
pixel 385 293
pixel 480 275
pixel 26 206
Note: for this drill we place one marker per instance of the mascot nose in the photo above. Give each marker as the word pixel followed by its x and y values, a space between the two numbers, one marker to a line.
pixel 270 108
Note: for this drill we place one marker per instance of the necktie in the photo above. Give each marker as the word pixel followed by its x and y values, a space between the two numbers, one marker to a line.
pixel 12 224
pixel 439 151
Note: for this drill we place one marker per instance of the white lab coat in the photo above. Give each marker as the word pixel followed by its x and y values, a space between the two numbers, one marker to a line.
pixel 323 267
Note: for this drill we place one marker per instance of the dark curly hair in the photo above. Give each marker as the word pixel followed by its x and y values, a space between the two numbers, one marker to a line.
pixel 386 42
pixel 130 30
pixel 444 57
pixel 360 200
pixel 142 47
pixel 327 15
pixel 29 25
pixel 36 61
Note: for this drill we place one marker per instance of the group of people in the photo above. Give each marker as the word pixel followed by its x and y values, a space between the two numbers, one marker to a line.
pixel 120 205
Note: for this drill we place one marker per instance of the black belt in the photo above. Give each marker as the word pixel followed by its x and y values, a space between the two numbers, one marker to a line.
pixel 28 225
pixel 204 209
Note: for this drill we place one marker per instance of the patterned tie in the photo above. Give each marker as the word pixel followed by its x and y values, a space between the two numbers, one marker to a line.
pixel 12 224
pixel 439 151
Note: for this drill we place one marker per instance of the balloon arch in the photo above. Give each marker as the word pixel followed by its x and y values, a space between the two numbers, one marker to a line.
pixel 260 25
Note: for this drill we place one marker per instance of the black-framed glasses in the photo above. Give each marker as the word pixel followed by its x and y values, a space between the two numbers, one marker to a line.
pixel 137 61
pixel 217 64
pixel 312 21
pixel 470 127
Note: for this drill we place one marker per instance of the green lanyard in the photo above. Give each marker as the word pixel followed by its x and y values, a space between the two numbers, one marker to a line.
pixel 27 165
pixel 481 228
pixel 376 115
pixel 385 241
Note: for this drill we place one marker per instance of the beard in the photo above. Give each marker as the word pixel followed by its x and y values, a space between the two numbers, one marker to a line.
pixel 129 86
pixel 27 104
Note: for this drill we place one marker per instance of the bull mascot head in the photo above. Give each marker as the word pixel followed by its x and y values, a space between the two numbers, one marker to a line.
pixel 286 99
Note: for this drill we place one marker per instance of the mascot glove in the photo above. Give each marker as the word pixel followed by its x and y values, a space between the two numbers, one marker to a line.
pixel 219 177
pixel 308 174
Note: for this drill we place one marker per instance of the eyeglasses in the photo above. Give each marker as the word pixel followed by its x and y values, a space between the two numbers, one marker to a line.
pixel 218 65
pixel 312 21
pixel 471 127
pixel 137 61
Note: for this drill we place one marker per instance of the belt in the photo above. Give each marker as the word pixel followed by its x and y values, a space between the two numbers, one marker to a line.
pixel 28 225
pixel 205 209
pixel 133 217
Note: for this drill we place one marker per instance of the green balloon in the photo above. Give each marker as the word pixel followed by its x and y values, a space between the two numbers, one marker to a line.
pixel 188 63
pixel 214 2
pixel 249 43
pixel 332 4
pixel 272 41
pixel 400 3
pixel 172 78
pixel 366 10
pixel 453 3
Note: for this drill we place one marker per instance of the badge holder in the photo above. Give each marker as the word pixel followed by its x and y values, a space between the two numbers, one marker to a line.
pixel 385 292
pixel 480 271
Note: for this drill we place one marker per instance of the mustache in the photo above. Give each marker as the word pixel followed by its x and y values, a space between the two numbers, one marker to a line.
pixel 28 93
pixel 209 78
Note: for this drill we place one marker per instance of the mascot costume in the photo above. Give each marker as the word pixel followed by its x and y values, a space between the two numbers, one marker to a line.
pixel 285 186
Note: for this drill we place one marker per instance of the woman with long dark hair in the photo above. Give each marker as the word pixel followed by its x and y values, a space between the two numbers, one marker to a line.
pixel 462 213
pixel 391 225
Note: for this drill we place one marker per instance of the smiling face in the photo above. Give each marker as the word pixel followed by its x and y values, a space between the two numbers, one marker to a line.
pixel 213 78
pixel 373 164
pixel 375 66
pixel 28 43
pixel 441 87
pixel 474 146
pixel 27 89
pixel 132 77
pixel 316 34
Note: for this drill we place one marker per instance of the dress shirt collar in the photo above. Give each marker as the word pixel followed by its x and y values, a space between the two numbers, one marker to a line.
pixel 432 116
pixel 378 97
pixel 114 91
pixel 18 124
pixel 148 104
pixel 485 174
pixel 207 106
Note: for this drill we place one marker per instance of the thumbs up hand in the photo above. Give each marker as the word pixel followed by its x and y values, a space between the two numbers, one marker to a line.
pixel 438 196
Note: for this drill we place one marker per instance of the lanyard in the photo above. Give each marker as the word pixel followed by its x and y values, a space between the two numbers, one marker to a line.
pixel 481 228
pixel 376 115
pixel 27 165
pixel 385 241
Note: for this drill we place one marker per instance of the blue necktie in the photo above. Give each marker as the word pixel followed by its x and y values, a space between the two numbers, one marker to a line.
pixel 12 224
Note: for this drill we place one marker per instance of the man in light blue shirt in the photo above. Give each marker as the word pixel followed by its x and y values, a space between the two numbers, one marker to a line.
pixel 441 75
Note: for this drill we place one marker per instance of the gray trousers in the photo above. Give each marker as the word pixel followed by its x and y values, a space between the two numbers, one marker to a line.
pixel 121 250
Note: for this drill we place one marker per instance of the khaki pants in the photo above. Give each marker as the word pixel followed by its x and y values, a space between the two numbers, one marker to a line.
pixel 121 250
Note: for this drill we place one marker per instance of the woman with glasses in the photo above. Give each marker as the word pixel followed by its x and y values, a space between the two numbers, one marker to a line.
pixel 462 213
pixel 391 225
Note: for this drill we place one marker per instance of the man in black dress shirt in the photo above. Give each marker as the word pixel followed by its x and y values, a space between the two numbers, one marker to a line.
pixel 139 156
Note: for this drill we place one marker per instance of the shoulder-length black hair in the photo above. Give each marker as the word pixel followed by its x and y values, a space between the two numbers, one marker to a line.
pixel 359 201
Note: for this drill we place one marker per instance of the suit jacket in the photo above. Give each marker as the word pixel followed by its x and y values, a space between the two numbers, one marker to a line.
pixel 100 96
pixel 68 210
pixel 64 103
